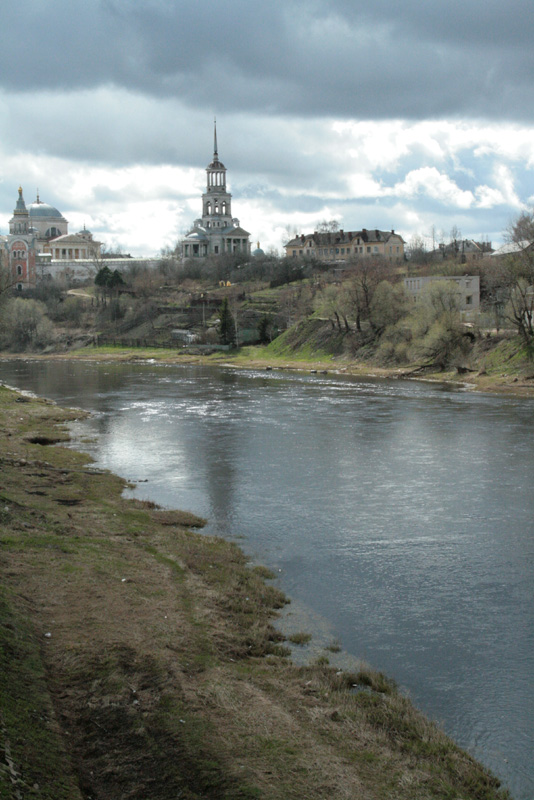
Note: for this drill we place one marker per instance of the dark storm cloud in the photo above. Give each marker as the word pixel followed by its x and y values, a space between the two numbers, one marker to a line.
pixel 313 58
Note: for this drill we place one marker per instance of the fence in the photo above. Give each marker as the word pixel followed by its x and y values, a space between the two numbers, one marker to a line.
pixel 170 344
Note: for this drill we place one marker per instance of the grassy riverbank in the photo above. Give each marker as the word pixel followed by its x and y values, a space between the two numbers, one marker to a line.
pixel 500 367
pixel 139 659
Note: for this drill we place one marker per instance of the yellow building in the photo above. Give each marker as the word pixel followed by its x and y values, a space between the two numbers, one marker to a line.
pixel 347 245
pixel 74 246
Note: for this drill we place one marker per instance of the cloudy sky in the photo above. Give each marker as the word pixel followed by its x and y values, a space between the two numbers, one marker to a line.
pixel 412 115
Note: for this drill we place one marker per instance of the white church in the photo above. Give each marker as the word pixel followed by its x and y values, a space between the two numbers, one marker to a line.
pixel 217 232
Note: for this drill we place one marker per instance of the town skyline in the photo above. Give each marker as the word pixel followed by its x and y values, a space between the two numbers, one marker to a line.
pixel 407 118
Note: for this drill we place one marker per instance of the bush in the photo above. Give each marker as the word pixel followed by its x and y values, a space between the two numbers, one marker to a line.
pixel 25 325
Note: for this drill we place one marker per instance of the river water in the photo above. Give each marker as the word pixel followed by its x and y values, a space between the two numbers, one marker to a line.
pixel 398 516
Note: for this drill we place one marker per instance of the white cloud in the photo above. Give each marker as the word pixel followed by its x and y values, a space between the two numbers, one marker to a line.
pixel 112 157
pixel 432 183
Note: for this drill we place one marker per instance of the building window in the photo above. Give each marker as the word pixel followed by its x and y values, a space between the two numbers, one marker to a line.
pixel 19 270
pixel 216 249
pixel 375 249
pixel 368 249
pixel 469 300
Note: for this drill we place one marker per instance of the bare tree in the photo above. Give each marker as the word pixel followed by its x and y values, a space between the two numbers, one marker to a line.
pixel 517 277
pixel 332 302
pixel 455 235
pixel 416 250
pixel 328 226
pixel 364 275
pixel 7 282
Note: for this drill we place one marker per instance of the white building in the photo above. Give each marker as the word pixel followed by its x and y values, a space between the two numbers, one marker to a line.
pixel 217 232
pixel 39 244
pixel 468 285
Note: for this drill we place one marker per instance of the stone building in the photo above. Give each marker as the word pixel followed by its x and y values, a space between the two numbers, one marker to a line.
pixel 216 232
pixel 39 245
pixel 468 287
pixel 21 245
pixel 347 245
pixel 73 246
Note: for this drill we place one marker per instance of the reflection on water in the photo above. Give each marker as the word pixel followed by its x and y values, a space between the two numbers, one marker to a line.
pixel 398 514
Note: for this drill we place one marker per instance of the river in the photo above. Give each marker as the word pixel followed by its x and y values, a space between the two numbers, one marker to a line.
pixel 397 515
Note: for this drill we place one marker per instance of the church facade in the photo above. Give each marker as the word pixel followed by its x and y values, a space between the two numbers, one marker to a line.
pixel 216 232
pixel 38 236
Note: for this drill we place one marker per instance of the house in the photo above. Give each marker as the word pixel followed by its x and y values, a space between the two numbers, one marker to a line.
pixel 464 250
pixel 347 245
pixel 514 248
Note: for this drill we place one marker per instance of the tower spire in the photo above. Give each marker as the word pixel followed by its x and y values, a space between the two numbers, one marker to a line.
pixel 215 153
pixel 21 205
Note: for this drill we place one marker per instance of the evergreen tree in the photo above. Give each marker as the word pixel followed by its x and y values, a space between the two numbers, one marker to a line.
pixel 108 282
pixel 226 324
pixel 264 329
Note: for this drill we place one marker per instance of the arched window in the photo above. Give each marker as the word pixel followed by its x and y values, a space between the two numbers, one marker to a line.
pixel 19 270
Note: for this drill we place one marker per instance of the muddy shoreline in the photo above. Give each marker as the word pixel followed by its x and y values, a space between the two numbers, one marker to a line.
pixel 474 381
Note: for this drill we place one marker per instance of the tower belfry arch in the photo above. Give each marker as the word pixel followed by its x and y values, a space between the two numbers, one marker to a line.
pixel 216 232
pixel 216 200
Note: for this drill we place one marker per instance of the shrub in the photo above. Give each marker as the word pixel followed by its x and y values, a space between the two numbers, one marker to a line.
pixel 25 325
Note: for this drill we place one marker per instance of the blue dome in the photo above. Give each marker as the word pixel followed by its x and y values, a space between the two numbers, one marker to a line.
pixel 43 210
pixel 196 236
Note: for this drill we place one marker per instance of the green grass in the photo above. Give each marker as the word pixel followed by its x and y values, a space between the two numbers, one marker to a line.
pixel 28 731
pixel 509 356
